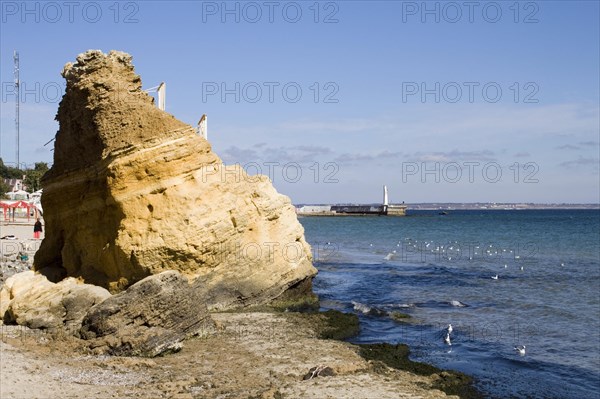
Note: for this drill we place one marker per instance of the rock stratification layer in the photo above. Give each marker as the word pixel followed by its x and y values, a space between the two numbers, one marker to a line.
pixel 151 317
pixel 135 192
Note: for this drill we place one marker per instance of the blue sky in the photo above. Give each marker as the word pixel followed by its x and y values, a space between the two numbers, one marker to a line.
pixel 441 101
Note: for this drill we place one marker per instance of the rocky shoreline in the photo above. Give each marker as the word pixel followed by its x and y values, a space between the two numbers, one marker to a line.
pixel 246 355
pixel 261 352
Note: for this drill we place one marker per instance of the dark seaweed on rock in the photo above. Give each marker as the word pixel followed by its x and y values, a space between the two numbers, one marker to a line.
pixel 397 356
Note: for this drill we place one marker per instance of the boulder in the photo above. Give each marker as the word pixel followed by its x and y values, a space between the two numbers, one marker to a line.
pixel 29 299
pixel 134 192
pixel 151 317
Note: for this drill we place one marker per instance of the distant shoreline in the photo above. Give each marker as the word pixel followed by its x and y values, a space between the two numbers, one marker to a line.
pixel 476 206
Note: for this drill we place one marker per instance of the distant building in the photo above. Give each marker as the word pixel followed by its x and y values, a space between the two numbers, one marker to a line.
pixel 344 210
pixel 18 195
pixel 14 184
pixel 314 209
pixel 36 197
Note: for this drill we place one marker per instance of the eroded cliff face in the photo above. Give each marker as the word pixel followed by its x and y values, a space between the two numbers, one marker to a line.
pixel 134 192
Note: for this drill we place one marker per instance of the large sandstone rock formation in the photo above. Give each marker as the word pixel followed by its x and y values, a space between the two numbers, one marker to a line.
pixel 149 318
pixel 134 192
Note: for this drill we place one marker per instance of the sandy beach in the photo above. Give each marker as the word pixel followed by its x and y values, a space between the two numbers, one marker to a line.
pixel 23 230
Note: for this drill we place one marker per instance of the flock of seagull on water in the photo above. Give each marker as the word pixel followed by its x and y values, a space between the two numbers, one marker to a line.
pixel 433 248
pixel 441 249
pixel 520 349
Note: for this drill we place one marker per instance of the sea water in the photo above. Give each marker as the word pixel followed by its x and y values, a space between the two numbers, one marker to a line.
pixel 438 269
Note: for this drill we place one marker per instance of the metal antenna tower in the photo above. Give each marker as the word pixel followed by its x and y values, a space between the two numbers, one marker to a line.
pixel 18 100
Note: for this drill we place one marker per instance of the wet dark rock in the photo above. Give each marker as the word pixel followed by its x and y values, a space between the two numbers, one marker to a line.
pixel 339 325
pixel 397 357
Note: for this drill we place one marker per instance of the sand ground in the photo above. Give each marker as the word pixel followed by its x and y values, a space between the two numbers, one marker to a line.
pixel 23 230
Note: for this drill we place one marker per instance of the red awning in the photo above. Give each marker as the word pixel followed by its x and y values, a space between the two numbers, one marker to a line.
pixel 16 204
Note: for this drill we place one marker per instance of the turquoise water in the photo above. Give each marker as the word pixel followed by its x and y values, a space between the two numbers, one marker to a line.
pixel 439 270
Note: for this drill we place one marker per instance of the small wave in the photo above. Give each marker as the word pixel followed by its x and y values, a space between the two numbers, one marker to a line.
pixel 457 304
pixel 361 307
pixel 403 305
pixel 368 310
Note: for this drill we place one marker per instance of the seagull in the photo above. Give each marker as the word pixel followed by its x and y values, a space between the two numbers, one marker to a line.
pixel 495 277
pixel 447 340
pixel 449 329
pixel 520 349
pixel 505 266
pixel 522 268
